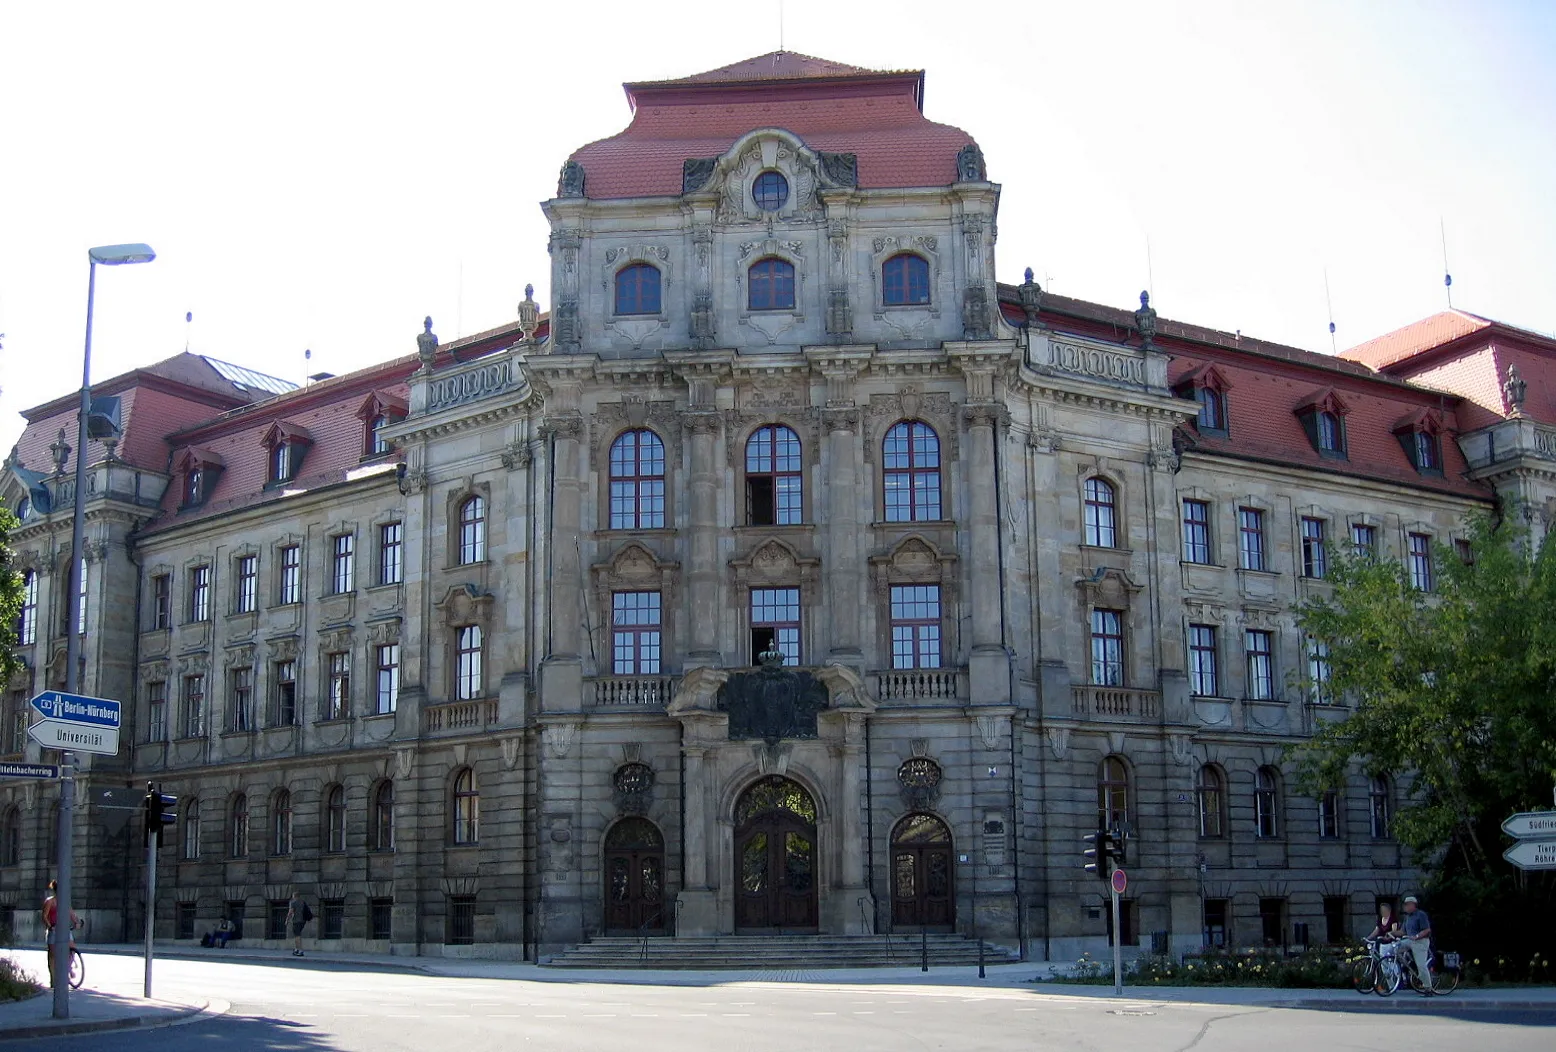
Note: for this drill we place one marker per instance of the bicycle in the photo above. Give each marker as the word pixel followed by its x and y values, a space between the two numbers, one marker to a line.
pixel 1378 972
pixel 75 975
pixel 1444 981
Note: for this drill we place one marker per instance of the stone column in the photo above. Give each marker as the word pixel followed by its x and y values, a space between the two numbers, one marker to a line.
pixel 561 672
pixel 990 667
pixel 702 573
pixel 696 906
pixel 845 569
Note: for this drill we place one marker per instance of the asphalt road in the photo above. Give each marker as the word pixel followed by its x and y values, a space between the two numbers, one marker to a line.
pixel 307 1006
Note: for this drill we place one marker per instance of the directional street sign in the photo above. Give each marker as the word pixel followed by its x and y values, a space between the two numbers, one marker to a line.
pixel 74 708
pixel 1120 881
pixel 28 770
pixel 60 734
pixel 1531 825
pixel 1532 854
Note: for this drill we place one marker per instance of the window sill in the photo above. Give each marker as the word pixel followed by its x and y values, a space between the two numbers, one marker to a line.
pixel 793 527
pixel 1121 552
pixel 379 715
pixel 1208 566
pixel 1258 573
pixel 241 613
pixel 327 596
pixel 1263 701
pixel 332 721
pixel 912 524
pixel 384 587
pixel 238 734
pixel 648 531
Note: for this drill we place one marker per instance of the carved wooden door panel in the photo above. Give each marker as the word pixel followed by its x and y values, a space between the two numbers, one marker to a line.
pixel 922 875
pixel 634 878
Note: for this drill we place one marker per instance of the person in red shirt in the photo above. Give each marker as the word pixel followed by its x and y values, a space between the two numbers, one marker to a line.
pixel 50 915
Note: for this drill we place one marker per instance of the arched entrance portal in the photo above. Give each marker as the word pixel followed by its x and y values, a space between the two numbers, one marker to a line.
pixel 634 877
pixel 921 874
pixel 775 857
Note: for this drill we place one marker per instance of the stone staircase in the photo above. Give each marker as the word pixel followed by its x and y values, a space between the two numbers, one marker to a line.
pixel 760 952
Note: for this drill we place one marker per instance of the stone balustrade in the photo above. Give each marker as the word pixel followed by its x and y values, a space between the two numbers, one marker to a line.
pixel 1129 366
pixel 469 382
pixel 1115 702
pixel 460 715
pixel 915 684
pixel 619 692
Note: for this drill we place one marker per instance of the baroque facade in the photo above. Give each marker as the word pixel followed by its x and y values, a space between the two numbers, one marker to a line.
pixel 792 574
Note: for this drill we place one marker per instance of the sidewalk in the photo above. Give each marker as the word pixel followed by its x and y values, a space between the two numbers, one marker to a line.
pixel 92 1011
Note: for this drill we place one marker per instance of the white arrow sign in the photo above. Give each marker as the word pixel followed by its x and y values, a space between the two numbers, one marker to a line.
pixel 1532 854
pixel 1531 825
pixel 63 734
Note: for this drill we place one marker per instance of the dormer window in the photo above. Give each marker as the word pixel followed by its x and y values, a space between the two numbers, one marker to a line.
pixel 1208 386
pixel 379 414
pixel 194 486
pixel 377 428
pixel 1420 436
pixel 770 191
pixel 282 462
pixel 1323 418
pixel 1212 410
pixel 288 443
pixel 1427 456
pixel 201 469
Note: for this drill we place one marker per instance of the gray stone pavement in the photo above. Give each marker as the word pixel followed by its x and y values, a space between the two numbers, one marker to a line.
pixel 93 1011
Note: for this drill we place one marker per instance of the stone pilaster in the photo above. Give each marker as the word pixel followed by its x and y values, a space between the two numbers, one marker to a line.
pixel 702 576
pixel 561 685
pixel 989 666
pixel 845 570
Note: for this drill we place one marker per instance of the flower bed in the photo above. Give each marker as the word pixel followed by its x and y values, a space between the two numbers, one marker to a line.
pixel 1313 969
pixel 15 984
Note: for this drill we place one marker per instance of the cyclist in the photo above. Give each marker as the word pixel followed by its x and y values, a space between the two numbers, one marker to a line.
pixel 1418 937
pixel 1388 925
pixel 50 915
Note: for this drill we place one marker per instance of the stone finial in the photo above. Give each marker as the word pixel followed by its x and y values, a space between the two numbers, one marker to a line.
pixel 1513 389
pixel 529 314
pixel 570 183
pixel 426 344
pixel 1031 294
pixel 60 450
pixel 1145 322
pixel 969 165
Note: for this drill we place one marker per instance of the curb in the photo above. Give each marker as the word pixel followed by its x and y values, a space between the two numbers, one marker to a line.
pixel 389 963
pixel 190 1013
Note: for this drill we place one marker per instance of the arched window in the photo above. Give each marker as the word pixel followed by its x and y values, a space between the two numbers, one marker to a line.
pixel 1380 807
pixel 281 823
pixel 1266 803
pixel 335 820
pixel 382 826
pixel 637 481
pixel 11 838
pixel 770 285
pixel 637 289
pixel 1113 793
pixel 472 531
pixel 467 808
pixel 773 478
pixel 770 191
pixel 468 681
pixel 911 472
pixel 1212 803
pixel 191 830
pixel 238 827
pixel 905 280
pixel 1100 531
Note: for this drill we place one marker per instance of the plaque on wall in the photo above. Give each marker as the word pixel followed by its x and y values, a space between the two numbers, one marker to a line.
pixel 772 703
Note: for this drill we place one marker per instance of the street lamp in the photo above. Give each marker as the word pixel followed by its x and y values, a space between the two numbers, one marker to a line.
pixel 108 256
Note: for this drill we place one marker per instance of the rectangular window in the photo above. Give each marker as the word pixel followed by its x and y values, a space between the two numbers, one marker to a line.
pixel 1315 552
pixel 1426 456
pixel 1272 921
pixel 337 705
pixel 467 667
pixel 1258 647
pixel 461 920
pixel 635 633
pixel 193 725
pixel 343 579
pixel 1203 678
pixel 1250 539
pixel 1196 531
pixel 156 711
pixel 775 622
pixel 1364 540
pixel 1318 671
pixel 27 622
pixel 381 916
pixel 185 920
pixel 1107 648
pixel 291 575
pixel 240 709
pixel 275 927
pixel 1329 814
pixel 1217 916
pixel 915 626
pixel 387 695
pixel 1421 562
pixel 248 585
pixel 391 547
pixel 200 593
pixel 1337 917
pixel 332 919
pixel 1464 550
pixel 284 712
pixel 161 601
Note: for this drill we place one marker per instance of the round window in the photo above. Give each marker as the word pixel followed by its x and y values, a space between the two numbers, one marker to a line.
pixel 770 191
pixel 919 773
pixel 634 778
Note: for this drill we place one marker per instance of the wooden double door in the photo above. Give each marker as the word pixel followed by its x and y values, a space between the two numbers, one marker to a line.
pixel 775 858
pixel 634 878
pixel 923 891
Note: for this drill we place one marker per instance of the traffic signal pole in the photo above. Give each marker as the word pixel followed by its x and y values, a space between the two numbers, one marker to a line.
pixel 1118 953
pixel 152 838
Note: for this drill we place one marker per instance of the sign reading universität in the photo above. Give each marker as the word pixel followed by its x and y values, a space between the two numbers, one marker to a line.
pixel 75 722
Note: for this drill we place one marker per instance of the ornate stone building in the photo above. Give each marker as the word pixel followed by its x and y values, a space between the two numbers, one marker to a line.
pixel 791 575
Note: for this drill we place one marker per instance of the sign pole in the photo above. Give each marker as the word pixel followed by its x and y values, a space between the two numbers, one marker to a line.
pixel 1118 955
pixel 152 838
pixel 61 947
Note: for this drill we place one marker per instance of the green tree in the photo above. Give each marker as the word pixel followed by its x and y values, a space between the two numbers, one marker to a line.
pixel 1454 695
pixel 10 597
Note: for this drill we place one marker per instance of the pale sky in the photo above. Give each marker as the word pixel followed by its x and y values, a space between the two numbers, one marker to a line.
pixel 322 175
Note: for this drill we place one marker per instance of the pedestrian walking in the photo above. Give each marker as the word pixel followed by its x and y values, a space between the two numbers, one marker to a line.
pixel 298 914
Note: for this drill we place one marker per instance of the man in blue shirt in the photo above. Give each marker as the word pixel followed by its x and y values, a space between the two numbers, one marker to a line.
pixel 1418 936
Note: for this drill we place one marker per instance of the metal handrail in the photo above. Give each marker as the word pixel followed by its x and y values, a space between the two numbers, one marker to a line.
pixel 643 935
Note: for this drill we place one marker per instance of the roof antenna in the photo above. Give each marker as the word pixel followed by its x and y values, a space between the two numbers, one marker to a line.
pixel 1150 274
pixel 1330 304
pixel 307 357
pixel 1442 230
pixel 780 27
pixel 188 324
pixel 459 313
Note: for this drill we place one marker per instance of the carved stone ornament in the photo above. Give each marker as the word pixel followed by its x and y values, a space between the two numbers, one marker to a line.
pixel 517 456
pixel 426 344
pixel 632 788
pixel 695 173
pixel 570 183
pixel 1182 749
pixel 558 738
pixel 283 648
pixel 988 730
pixel 404 763
pixel 839 169
pixel 975 313
pixel 840 419
pixel 464 604
pixel 1513 389
pixel 1108 587
pixel 773 702
pixel 1059 741
pixel 1145 322
pixel 919 779
pixel 969 165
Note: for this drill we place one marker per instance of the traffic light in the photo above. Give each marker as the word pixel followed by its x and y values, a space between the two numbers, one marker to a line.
pixel 161 810
pixel 1098 853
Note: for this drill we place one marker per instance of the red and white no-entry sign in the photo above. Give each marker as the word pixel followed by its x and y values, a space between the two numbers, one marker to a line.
pixel 1120 882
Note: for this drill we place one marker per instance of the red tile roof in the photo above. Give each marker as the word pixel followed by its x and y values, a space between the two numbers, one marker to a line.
pixel 873 114
pixel 1435 331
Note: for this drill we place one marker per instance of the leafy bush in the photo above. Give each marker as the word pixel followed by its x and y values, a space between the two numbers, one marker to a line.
pixel 15 984
pixel 1320 969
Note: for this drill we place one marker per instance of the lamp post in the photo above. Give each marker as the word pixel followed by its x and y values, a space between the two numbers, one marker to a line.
pixel 108 256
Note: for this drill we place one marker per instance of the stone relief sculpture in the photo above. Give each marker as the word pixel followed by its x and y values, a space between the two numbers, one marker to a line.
pixel 840 169
pixel 426 344
pixel 570 183
pixel 969 165
pixel 695 173
pixel 773 702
